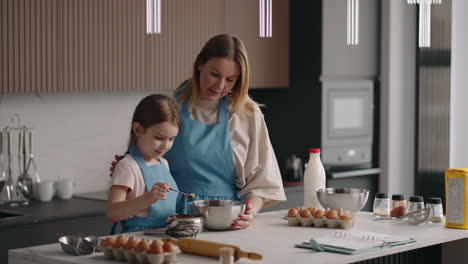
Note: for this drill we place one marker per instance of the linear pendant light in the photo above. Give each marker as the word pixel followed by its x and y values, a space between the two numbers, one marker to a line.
pixel 352 26
pixel 424 20
pixel 153 16
pixel 265 18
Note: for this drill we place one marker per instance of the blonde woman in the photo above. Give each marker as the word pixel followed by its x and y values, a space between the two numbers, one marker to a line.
pixel 223 150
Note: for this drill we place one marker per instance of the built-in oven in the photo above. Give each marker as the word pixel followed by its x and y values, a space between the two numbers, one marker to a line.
pixel 347 123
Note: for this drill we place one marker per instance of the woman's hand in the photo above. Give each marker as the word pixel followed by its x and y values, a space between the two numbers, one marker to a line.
pixel 158 192
pixel 113 163
pixel 252 206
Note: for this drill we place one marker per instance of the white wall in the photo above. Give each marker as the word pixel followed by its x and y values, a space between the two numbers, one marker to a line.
pixel 76 134
pixel 397 118
pixel 459 86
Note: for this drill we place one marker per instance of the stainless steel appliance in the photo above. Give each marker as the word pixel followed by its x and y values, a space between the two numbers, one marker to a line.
pixel 347 123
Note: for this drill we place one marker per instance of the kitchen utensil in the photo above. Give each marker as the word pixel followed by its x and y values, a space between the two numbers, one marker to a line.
pixel 211 249
pixel 76 245
pixel 184 225
pixel 25 182
pixel 412 218
pixel 188 195
pixel 96 241
pixel 347 198
pixel 218 214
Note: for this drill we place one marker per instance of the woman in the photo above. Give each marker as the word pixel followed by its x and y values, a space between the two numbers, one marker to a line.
pixel 223 150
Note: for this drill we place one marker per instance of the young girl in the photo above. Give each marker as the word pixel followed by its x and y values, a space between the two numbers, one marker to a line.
pixel 139 196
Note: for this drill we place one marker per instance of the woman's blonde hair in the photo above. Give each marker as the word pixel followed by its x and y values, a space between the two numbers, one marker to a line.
pixel 221 46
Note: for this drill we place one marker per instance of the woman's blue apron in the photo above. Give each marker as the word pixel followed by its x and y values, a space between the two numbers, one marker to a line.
pixel 159 211
pixel 201 158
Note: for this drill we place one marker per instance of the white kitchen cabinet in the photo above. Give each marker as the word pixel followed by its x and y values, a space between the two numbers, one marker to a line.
pixel 341 61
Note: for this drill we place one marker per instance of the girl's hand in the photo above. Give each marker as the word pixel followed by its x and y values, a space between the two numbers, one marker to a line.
pixel 158 192
pixel 246 218
pixel 113 163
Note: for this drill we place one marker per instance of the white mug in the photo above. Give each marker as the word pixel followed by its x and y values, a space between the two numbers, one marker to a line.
pixel 64 189
pixel 43 191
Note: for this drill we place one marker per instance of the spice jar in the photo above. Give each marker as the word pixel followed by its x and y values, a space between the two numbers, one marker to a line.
pixel 381 205
pixel 399 206
pixel 435 210
pixel 415 203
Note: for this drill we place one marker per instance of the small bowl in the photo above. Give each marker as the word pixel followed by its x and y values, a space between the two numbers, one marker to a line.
pixel 347 198
pixel 218 214
pixel 76 245
pixel 184 225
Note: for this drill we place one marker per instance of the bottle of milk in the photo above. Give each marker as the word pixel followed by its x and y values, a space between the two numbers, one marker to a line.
pixel 314 179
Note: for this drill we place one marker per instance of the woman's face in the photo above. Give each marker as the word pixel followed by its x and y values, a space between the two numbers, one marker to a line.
pixel 217 77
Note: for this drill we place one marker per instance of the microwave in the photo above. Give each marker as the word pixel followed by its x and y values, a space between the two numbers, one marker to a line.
pixel 347 123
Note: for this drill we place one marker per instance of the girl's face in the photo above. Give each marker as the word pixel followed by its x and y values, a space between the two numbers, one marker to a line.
pixel 154 141
pixel 217 77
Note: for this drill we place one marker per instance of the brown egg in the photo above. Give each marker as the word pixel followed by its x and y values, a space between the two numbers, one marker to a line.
pixel 305 213
pixel 332 214
pixel 108 242
pixel 311 209
pixel 319 213
pixel 142 246
pixel 120 241
pixel 168 247
pixel 346 217
pixel 293 212
pixel 132 243
pixel 156 247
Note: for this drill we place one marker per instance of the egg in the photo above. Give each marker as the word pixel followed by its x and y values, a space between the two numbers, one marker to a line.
pixel 311 209
pixel 168 247
pixel 332 214
pixel 120 241
pixel 293 212
pixel 156 247
pixel 319 213
pixel 305 213
pixel 108 242
pixel 132 243
pixel 142 246
pixel 346 217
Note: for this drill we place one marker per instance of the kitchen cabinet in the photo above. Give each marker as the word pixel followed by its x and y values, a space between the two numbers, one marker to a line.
pixel 42 223
pixel 341 61
pixel 269 57
pixel 87 46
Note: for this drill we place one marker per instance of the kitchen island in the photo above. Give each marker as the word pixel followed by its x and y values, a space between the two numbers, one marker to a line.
pixel 274 239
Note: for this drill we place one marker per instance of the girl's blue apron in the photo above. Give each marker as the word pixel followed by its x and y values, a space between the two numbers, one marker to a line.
pixel 201 158
pixel 159 211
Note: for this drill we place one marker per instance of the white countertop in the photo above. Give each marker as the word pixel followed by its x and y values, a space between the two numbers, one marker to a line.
pixel 274 239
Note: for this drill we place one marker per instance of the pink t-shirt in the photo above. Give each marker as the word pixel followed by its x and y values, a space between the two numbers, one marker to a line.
pixel 128 173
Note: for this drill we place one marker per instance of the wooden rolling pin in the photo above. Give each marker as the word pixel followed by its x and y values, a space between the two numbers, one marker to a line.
pixel 211 249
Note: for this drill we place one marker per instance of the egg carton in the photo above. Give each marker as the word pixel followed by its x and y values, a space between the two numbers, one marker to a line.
pixel 131 256
pixel 320 222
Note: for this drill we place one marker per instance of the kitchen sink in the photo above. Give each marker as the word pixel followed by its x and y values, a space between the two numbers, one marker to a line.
pixel 4 215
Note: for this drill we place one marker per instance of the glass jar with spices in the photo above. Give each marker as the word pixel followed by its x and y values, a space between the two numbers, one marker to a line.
pixel 415 203
pixel 435 210
pixel 381 205
pixel 399 205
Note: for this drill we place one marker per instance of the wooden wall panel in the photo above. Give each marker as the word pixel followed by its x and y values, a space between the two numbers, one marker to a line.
pixel 102 45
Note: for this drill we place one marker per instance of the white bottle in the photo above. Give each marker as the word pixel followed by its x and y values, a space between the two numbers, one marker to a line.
pixel 314 179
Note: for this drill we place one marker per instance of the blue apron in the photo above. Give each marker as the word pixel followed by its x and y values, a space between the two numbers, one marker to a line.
pixel 159 211
pixel 201 158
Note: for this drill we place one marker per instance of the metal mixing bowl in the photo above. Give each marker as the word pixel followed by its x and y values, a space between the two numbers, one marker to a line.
pixel 76 245
pixel 347 198
pixel 218 214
